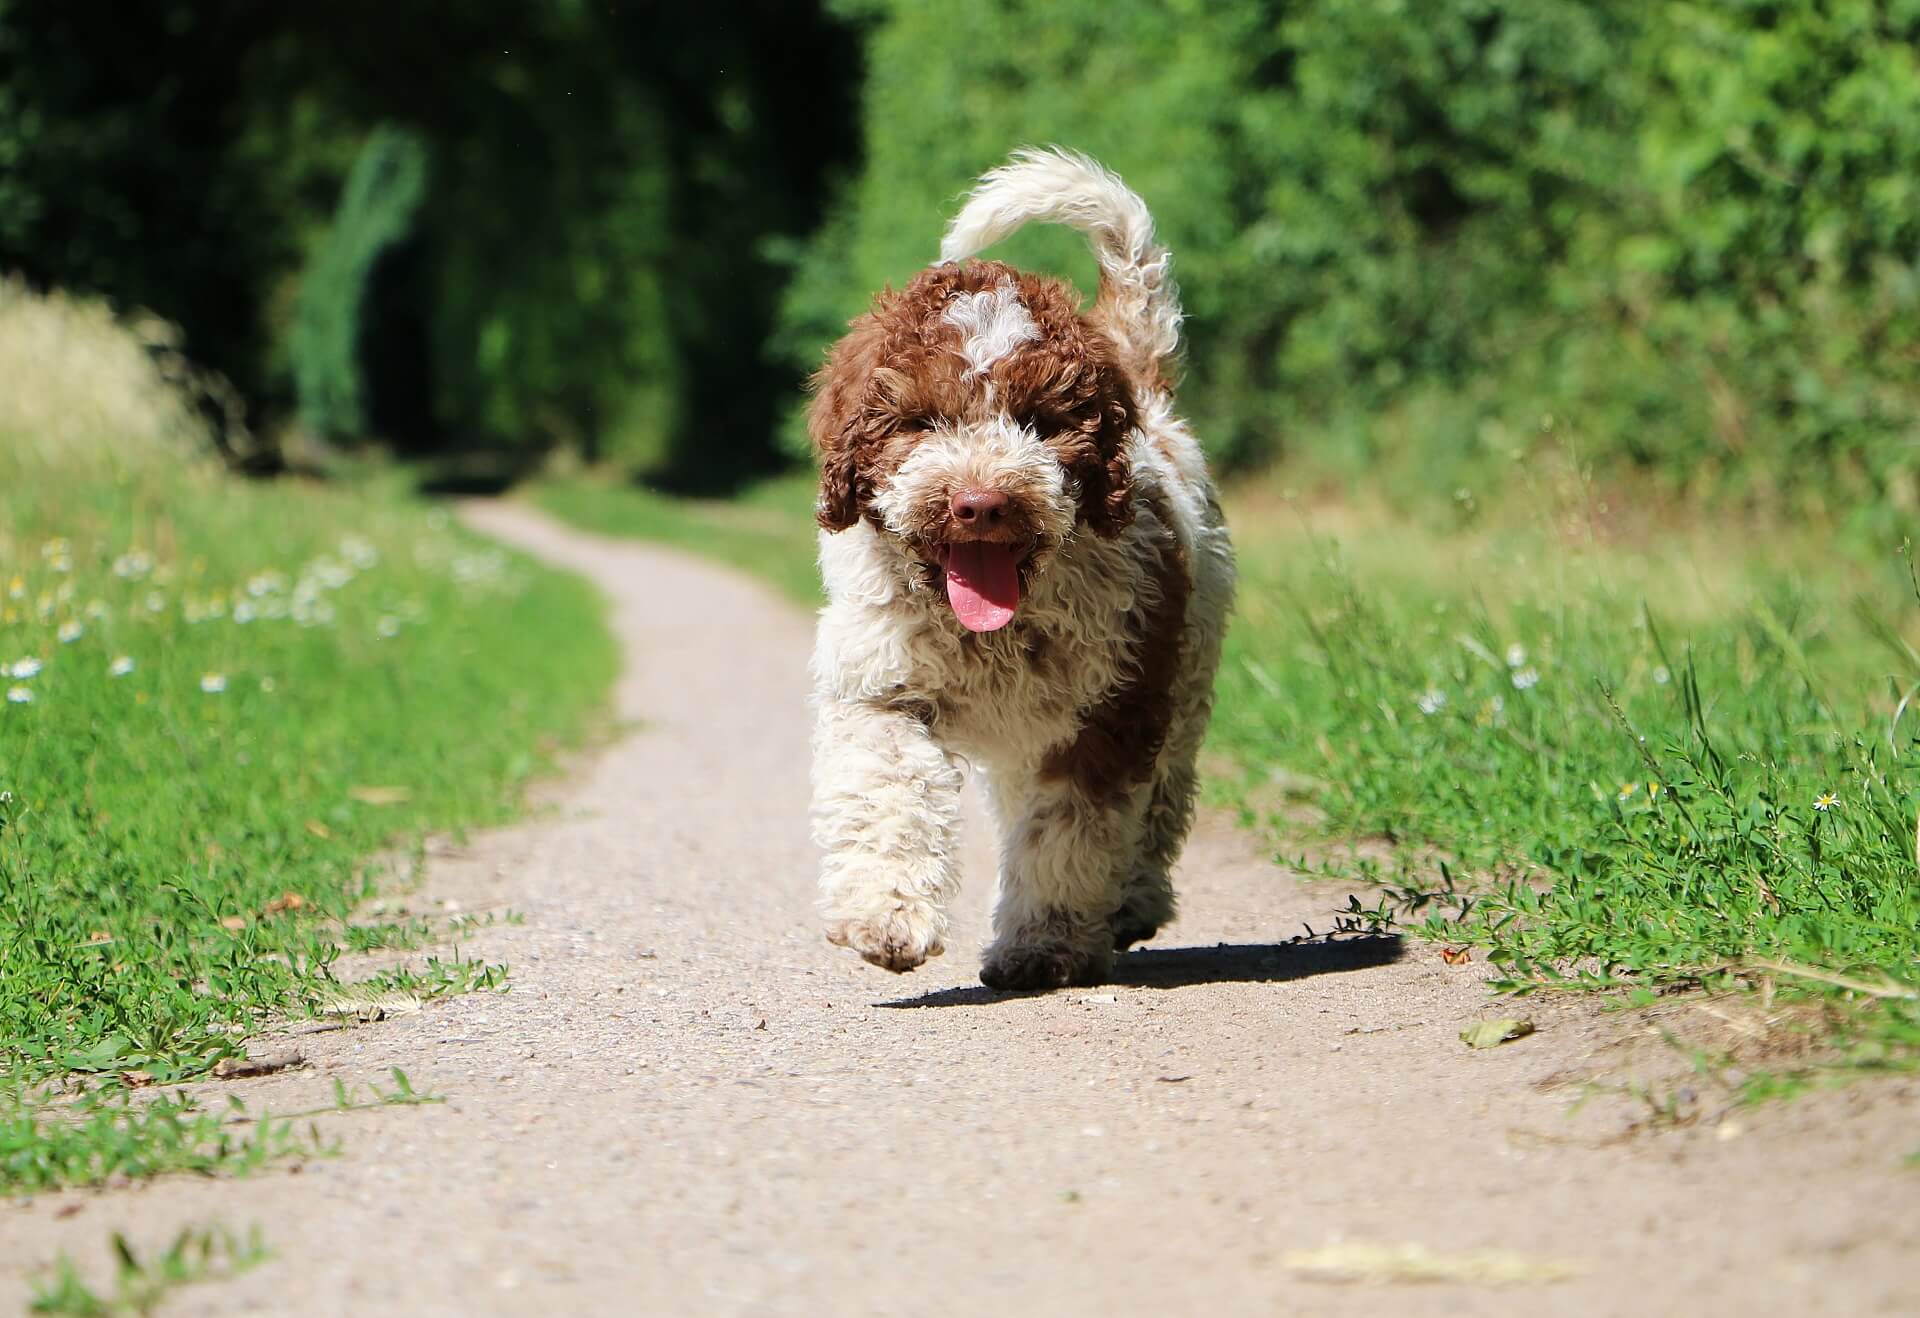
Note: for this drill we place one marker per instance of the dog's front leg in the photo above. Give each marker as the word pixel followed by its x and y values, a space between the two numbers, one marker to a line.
pixel 886 810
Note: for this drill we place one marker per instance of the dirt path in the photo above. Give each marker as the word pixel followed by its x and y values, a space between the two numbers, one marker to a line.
pixel 690 1103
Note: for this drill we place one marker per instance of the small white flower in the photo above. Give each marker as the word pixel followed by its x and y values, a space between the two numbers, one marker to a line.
pixel 19 695
pixel 70 631
pixel 132 565
pixel 388 628
pixel 1525 678
pixel 97 609
pixel 156 602
pixel 244 612
pixel 213 683
pixel 358 552
pixel 120 667
pixel 23 668
pixel 1432 701
pixel 1661 676
pixel 1516 655
pixel 1825 802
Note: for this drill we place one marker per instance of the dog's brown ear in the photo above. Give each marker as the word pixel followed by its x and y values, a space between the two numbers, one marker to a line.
pixel 829 425
pixel 1106 484
pixel 835 422
pixel 1106 472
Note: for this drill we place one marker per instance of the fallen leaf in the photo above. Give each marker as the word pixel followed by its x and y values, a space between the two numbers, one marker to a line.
pixel 1456 956
pixel 286 901
pixel 234 922
pixel 1491 1034
pixel 244 1068
pixel 1358 1261
pixel 136 1079
pixel 379 795
pixel 318 829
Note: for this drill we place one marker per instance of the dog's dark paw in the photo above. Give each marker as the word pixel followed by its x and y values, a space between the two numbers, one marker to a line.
pixel 1129 929
pixel 1037 969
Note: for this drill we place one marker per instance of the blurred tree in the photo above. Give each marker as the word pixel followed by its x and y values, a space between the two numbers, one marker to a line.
pixel 588 265
pixel 335 341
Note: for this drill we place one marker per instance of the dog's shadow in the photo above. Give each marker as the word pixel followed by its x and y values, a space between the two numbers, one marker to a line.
pixel 1223 963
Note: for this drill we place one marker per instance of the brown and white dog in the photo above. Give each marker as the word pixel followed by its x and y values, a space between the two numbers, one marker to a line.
pixel 1029 577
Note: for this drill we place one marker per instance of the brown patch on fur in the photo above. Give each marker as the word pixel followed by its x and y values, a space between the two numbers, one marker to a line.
pixel 1122 735
pixel 899 371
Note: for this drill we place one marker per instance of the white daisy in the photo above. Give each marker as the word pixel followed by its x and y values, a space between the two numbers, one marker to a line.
pixel 389 628
pixel 23 668
pixel 1516 655
pixel 1825 802
pixel 120 667
pixel 70 631
pixel 213 683
pixel 1525 678
pixel 1432 701
pixel 19 695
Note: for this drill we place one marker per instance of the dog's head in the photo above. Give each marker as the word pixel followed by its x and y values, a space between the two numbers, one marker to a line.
pixel 977 421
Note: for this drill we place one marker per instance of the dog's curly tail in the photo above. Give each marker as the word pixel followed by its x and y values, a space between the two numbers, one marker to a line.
pixel 1138 306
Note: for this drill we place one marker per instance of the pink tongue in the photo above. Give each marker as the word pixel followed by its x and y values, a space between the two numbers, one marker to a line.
pixel 983 585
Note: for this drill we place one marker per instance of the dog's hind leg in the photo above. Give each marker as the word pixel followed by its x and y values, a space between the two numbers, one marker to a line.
pixel 1147 903
pixel 1147 900
pixel 1062 854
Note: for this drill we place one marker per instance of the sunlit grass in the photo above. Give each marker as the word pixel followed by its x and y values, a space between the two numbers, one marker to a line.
pixel 1678 757
pixel 221 700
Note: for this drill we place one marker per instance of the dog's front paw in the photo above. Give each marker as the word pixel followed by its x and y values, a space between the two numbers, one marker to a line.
pixel 1029 968
pixel 896 939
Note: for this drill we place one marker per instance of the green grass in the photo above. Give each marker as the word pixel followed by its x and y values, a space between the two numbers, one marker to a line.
pixel 141 1285
pixel 1669 762
pixel 768 530
pixel 222 701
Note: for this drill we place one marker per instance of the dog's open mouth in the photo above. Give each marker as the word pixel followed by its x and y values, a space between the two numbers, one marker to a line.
pixel 983 583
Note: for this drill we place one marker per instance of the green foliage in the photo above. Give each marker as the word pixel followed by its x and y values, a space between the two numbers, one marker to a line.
pixel 1683 232
pixel 377 209
pixel 1650 803
pixel 219 700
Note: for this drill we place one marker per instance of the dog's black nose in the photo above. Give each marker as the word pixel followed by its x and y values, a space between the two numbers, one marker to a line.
pixel 978 507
